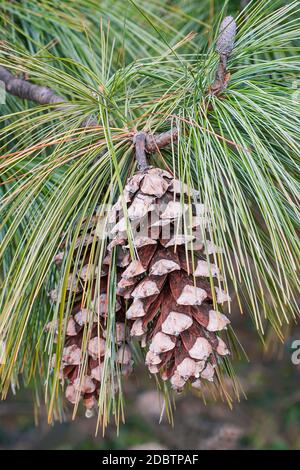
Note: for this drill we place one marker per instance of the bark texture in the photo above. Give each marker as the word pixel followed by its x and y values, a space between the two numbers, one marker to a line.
pixel 27 90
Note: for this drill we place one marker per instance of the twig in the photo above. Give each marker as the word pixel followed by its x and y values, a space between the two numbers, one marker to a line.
pixel 42 95
pixel 140 150
pixel 27 90
pixel 224 47
pixel 155 142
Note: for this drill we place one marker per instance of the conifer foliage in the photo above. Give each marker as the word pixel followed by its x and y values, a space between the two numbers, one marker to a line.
pixel 149 192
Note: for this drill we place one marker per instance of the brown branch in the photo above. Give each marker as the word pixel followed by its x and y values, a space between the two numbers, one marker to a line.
pixel 42 95
pixel 139 141
pixel 27 90
pixel 154 142
pixel 224 48
pixel 222 77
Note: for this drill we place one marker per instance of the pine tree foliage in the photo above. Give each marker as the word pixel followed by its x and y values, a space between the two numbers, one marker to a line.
pixel 146 66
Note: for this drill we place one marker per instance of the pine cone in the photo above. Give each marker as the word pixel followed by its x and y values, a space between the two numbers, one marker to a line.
pixel 167 286
pixel 164 291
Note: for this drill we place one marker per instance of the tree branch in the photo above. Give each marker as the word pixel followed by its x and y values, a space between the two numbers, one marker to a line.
pixel 139 142
pixel 42 95
pixel 27 90
pixel 224 48
pixel 155 142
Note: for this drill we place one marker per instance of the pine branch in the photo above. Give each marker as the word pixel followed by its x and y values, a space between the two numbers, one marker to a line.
pixel 155 142
pixel 42 95
pixel 27 90
pixel 224 48
pixel 151 142
pixel 139 141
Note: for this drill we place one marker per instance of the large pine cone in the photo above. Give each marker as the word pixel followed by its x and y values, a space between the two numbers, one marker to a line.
pixel 163 288
pixel 168 289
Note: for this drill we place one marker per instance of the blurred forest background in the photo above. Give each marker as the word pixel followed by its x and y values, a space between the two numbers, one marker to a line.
pixel 268 418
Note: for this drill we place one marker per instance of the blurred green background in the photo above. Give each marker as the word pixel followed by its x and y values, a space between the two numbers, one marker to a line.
pixel 268 419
